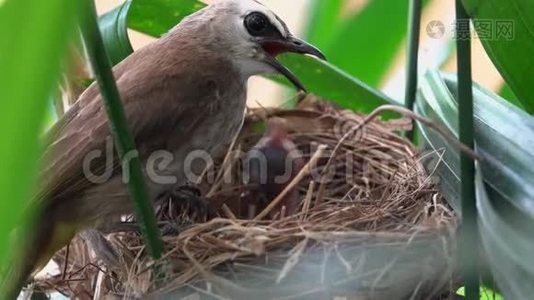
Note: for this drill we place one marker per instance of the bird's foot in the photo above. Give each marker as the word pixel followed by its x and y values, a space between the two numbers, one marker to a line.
pixel 186 205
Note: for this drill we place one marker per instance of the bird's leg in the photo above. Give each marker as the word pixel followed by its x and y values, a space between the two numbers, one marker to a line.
pixel 102 248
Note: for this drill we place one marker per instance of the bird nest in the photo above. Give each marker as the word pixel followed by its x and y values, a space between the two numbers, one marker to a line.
pixel 370 225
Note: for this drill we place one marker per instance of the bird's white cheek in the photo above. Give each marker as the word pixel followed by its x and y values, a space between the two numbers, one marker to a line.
pixel 250 67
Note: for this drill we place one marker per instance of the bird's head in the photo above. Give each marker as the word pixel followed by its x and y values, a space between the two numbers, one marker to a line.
pixel 253 36
pixel 277 131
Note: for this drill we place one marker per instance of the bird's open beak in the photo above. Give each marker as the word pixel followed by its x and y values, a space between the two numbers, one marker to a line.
pixel 273 47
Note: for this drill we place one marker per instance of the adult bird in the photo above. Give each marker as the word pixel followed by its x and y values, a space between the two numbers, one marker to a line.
pixel 182 94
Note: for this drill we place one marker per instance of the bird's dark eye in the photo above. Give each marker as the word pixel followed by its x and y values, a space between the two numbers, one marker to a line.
pixel 257 23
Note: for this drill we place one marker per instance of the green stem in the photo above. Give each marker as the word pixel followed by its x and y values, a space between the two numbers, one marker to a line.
pixel 469 232
pixel 123 137
pixel 414 27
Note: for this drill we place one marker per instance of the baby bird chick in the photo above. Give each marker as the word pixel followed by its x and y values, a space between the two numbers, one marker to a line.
pixel 270 166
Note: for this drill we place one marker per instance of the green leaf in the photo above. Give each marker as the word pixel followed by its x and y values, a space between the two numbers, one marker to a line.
pixel 504 135
pixel 114 30
pixel 152 17
pixel 323 21
pixel 33 41
pixel 485 294
pixel 365 45
pixel 508 242
pixel 102 68
pixel 328 81
pixel 509 50
pixel 507 93
pixel 156 17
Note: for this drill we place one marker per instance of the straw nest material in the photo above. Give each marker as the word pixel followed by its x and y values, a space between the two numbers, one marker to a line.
pixel 370 225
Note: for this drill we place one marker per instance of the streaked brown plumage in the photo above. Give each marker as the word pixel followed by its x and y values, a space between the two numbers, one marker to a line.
pixel 184 92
